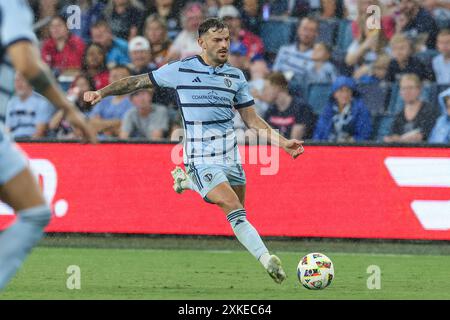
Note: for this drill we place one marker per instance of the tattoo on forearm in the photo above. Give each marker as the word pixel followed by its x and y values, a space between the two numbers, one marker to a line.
pixel 127 85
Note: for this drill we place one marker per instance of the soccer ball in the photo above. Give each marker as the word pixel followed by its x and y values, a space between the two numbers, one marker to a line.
pixel 315 271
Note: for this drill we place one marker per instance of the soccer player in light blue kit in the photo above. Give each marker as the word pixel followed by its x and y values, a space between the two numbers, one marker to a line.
pixel 18 186
pixel 207 90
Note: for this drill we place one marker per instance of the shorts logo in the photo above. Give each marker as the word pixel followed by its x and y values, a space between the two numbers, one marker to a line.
pixel 228 82
pixel 208 177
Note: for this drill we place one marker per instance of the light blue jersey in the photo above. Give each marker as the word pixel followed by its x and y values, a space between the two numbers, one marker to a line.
pixel 206 97
pixel 16 21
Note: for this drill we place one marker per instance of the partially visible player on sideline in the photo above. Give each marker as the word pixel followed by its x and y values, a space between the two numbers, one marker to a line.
pixel 18 186
pixel 207 89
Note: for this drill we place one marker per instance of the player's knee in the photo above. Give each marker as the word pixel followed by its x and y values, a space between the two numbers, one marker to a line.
pixel 230 203
pixel 39 215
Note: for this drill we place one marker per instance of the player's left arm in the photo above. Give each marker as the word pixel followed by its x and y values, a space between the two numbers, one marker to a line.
pixel 253 121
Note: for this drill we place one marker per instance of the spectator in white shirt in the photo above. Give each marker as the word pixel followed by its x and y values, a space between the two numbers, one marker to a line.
pixel 441 63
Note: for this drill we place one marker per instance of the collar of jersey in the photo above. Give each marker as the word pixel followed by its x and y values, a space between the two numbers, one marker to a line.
pixel 200 59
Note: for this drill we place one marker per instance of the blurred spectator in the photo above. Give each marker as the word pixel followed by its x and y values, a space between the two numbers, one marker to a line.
pixel 441 130
pixel 253 43
pixel 346 117
pixel 292 117
pixel 303 8
pixel 251 16
pixel 169 11
pixel 415 122
pixel 94 65
pixel 441 63
pixel 404 62
pixel 126 17
pixel 368 43
pixel 376 73
pixel 116 48
pixel 238 58
pixel 156 33
pixel 145 120
pixel 211 8
pixel 63 51
pixel 58 126
pixel 417 23
pixel 27 113
pixel 439 9
pixel 185 44
pixel 322 71
pixel 141 57
pixel 107 115
pixel 297 57
pixel 223 3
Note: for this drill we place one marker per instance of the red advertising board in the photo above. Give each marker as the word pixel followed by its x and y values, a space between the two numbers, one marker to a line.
pixel 345 192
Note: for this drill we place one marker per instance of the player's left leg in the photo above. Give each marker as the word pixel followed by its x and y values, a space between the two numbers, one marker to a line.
pixel 231 203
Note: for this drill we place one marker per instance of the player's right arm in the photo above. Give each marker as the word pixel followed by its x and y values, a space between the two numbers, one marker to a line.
pixel 119 88
pixel 167 76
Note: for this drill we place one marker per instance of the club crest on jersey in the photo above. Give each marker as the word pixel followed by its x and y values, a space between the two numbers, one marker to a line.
pixel 228 82
pixel 208 177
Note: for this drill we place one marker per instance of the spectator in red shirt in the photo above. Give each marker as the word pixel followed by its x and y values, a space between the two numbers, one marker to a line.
pixel 252 42
pixel 63 51
pixel 94 65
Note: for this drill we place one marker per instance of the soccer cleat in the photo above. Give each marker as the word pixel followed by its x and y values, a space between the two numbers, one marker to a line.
pixel 179 176
pixel 275 270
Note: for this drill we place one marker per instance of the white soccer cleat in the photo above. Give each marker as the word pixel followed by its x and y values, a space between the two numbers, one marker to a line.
pixel 179 177
pixel 275 270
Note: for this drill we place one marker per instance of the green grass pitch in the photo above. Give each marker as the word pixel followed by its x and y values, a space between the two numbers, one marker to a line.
pixel 190 270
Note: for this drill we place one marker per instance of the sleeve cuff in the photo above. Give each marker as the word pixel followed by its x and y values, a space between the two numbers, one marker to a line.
pixel 244 105
pixel 153 80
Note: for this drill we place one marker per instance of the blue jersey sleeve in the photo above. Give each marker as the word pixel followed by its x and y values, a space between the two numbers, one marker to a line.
pixel 16 22
pixel 167 76
pixel 243 97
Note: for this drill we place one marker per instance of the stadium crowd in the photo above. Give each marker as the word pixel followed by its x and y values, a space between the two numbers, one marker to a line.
pixel 324 70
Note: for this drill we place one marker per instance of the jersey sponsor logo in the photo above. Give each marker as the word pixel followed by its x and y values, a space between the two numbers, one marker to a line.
pixel 212 97
pixel 47 176
pixel 429 173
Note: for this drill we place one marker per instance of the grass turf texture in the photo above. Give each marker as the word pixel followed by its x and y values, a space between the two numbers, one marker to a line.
pixel 165 268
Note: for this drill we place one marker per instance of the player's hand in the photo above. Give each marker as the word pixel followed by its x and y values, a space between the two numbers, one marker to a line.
pixel 93 97
pixel 78 122
pixel 294 147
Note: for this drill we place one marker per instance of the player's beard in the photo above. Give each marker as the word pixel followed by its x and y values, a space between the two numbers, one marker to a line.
pixel 221 58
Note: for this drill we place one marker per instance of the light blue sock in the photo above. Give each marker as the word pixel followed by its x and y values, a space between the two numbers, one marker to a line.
pixel 17 241
pixel 246 233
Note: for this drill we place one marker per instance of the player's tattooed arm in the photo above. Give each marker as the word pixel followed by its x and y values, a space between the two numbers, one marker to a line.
pixel 127 85
pixel 120 87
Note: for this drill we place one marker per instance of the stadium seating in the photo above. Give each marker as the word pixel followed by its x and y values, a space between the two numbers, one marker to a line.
pixel 318 95
pixel 375 96
pixel 382 126
pixel 344 35
pixel 276 33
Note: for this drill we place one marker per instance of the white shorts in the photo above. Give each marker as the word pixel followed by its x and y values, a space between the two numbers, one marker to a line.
pixel 12 160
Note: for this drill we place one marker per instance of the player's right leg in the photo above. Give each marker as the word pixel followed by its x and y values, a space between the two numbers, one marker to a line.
pixel 226 198
pixel 20 190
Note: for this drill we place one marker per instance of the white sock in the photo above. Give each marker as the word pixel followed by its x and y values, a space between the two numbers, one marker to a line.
pixel 247 234
pixel 264 259
pixel 187 184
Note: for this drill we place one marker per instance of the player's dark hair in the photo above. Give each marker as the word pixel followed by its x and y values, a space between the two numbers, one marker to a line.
pixel 212 23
